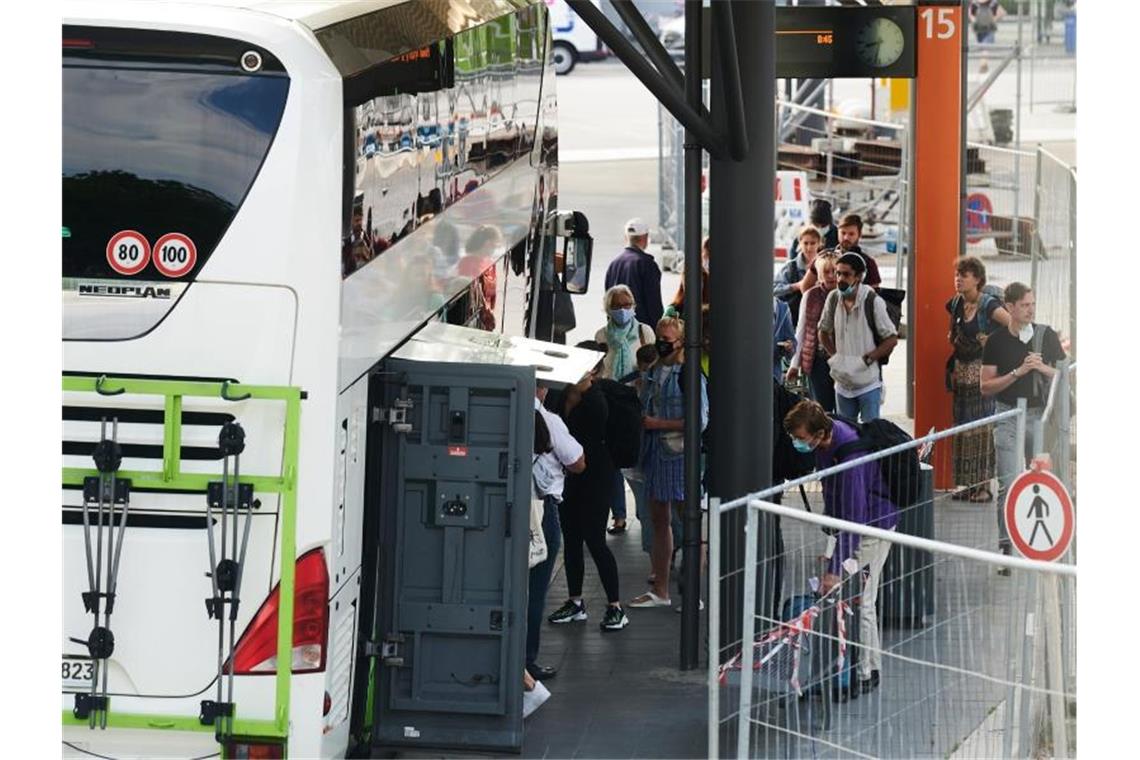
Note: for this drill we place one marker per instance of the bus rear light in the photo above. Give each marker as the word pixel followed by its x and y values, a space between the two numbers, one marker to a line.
pixel 256 650
pixel 78 44
pixel 239 748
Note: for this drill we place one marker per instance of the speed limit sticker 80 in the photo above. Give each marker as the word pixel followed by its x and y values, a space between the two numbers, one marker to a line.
pixel 175 254
pixel 128 252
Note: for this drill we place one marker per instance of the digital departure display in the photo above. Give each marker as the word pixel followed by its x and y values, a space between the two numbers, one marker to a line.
pixel 845 42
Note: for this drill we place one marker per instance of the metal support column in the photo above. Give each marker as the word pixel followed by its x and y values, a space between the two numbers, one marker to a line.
pixel 691 545
pixel 740 283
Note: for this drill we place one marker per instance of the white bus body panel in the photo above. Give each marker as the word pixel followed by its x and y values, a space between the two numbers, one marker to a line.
pixel 287 233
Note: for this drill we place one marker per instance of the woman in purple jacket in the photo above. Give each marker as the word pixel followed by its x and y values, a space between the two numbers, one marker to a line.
pixel 857 495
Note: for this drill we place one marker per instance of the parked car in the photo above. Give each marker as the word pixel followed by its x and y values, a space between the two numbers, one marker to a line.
pixel 574 41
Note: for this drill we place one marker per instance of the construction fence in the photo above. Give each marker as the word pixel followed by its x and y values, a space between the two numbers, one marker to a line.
pixel 973 650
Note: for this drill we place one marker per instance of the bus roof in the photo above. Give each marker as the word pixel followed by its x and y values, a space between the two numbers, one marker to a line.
pixel 314 14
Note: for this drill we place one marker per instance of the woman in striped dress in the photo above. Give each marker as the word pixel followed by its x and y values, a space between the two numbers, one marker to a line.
pixel 662 452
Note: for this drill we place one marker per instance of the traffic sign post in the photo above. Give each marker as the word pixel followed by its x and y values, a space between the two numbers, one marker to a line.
pixel 1040 520
pixel 1039 516
pixel 979 209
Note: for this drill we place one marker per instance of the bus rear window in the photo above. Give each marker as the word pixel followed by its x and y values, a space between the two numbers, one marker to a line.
pixel 158 147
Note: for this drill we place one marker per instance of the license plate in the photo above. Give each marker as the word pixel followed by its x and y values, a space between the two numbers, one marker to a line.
pixel 78 671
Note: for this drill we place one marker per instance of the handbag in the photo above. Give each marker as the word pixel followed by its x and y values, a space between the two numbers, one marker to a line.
pixel 537 553
pixel 673 441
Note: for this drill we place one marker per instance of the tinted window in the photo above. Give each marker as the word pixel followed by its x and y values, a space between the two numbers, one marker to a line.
pixel 158 147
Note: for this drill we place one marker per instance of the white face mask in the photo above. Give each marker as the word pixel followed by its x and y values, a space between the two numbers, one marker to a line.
pixel 1026 334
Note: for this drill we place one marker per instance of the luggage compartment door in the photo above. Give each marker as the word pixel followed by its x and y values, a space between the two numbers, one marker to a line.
pixel 453 494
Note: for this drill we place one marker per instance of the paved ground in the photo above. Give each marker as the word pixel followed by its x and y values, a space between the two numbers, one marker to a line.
pixel 618 694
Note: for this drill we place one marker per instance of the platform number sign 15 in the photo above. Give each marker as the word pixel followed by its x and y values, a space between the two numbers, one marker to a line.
pixel 938 22
pixel 128 252
pixel 175 254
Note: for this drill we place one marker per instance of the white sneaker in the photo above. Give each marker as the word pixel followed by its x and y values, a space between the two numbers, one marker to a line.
pixel 535 698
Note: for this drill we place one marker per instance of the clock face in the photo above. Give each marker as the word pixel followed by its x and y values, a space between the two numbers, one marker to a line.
pixel 880 42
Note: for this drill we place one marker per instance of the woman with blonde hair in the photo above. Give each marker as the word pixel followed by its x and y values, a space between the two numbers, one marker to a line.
pixel 622 336
pixel 662 451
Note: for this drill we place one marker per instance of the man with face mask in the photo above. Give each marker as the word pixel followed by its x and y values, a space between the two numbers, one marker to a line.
pixel 857 333
pixel 855 495
pixel 819 216
pixel 1017 363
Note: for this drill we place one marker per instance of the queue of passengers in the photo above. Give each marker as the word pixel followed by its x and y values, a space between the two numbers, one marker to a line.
pixel 833 332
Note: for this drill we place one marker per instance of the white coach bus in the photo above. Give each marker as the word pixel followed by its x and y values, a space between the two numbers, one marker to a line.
pixel 266 205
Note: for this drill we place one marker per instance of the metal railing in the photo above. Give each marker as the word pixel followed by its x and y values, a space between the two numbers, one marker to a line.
pixel 973 647
pixel 860 167
pixel 1021 219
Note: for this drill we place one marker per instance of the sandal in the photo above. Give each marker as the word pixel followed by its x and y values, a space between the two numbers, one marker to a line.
pixel 616 529
pixel 650 599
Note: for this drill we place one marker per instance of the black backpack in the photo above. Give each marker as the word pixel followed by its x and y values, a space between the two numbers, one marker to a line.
pixel 900 470
pixel 893 298
pixel 623 426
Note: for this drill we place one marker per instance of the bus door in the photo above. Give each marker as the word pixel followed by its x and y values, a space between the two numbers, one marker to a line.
pixel 454 488
pixel 449 492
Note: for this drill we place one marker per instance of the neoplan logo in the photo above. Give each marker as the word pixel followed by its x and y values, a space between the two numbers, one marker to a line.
pixel 124 291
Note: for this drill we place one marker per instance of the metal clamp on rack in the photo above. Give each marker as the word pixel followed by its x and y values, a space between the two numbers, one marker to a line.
pixel 231 497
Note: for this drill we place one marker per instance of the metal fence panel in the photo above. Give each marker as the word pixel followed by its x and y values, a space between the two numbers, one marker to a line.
pixel 974 661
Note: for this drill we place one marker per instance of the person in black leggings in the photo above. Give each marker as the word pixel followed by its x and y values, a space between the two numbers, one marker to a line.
pixel 586 501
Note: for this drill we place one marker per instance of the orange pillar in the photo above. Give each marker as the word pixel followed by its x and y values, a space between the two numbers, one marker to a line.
pixel 937 197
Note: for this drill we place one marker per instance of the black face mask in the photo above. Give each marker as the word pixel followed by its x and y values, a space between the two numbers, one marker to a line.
pixel 664 348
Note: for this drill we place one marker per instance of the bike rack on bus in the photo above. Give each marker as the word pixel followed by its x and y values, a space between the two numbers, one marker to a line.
pixel 171 478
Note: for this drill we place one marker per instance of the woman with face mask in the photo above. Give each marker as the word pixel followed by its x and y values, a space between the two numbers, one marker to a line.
pixel 622 336
pixel 811 359
pixel 662 451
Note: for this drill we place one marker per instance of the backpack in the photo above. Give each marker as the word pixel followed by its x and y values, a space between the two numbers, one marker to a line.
pixel 623 426
pixel 893 298
pixel 984 326
pixel 787 463
pixel 900 471
pixel 984 20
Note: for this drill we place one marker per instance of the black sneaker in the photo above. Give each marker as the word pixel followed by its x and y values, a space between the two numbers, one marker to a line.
pixel 614 620
pixel 569 612
pixel 871 683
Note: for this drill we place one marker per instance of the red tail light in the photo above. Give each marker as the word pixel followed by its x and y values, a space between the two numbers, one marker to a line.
pixel 254 750
pixel 256 650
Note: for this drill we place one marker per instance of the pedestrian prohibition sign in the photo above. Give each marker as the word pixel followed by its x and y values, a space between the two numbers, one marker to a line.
pixel 1039 515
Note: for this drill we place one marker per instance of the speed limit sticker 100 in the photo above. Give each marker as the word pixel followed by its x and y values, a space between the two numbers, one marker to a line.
pixel 128 252
pixel 175 254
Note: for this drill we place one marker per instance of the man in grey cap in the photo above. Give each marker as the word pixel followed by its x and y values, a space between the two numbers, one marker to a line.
pixel 638 270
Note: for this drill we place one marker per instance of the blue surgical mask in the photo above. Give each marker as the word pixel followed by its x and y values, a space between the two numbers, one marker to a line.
pixel 621 317
pixel 802 447
pixel 846 290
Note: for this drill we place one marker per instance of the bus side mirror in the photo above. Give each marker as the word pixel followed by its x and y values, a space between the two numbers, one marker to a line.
pixel 577 253
pixel 572 263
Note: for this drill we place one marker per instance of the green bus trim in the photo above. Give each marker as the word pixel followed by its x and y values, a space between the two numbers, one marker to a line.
pixel 171 477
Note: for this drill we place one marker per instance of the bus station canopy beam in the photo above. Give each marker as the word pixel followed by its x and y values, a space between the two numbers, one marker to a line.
pixel 643 33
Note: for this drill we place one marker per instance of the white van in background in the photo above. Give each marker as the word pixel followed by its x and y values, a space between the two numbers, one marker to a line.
pixel 573 40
